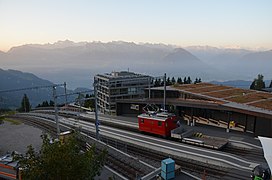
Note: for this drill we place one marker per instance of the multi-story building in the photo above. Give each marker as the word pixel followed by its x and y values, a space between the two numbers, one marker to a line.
pixel 119 85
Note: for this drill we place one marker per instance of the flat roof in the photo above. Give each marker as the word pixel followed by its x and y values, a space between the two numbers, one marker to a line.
pixel 121 75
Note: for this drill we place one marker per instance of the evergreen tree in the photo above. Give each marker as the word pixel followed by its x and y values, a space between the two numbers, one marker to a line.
pixel 45 104
pixel 258 84
pixel 173 80
pixel 157 82
pixel 179 81
pixel 189 81
pixel 51 103
pixel 89 103
pixel 199 80
pixel 185 80
pixel 168 82
pixel 25 104
pixel 252 86
pixel 196 81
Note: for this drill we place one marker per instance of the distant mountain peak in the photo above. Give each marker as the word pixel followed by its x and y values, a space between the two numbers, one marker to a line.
pixel 64 43
pixel 180 54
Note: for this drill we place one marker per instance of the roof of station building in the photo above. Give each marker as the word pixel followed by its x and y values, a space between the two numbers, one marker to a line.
pixel 229 94
pixel 243 99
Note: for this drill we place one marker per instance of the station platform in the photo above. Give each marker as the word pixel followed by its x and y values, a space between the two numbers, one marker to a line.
pixel 245 139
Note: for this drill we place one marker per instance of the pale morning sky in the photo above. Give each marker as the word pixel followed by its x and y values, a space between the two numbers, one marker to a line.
pixel 220 23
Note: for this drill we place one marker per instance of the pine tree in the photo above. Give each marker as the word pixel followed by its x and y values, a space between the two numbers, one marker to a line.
pixel 173 80
pixel 168 82
pixel 258 84
pixel 252 86
pixel 51 103
pixel 185 80
pixel 89 103
pixel 196 81
pixel 25 104
pixel 157 83
pixel 189 81
pixel 179 81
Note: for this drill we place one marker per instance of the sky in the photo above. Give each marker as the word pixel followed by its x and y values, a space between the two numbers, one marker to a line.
pixel 229 23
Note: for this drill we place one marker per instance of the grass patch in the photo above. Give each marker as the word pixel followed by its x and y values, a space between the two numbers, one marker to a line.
pixel 12 121
pixel 10 113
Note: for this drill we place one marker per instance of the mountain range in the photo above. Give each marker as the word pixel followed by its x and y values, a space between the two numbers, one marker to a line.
pixel 77 63
pixel 14 83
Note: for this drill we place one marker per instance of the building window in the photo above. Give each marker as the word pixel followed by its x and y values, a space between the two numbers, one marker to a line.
pixel 159 123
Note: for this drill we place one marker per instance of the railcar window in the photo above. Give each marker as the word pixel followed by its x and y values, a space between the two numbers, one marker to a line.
pixel 159 123
pixel 166 124
pixel 142 120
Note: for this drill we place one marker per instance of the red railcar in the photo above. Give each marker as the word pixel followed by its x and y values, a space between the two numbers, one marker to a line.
pixel 158 123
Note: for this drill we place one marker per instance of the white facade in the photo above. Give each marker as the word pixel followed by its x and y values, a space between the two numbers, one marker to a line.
pixel 119 85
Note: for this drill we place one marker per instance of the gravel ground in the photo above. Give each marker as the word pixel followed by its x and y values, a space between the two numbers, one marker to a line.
pixel 17 137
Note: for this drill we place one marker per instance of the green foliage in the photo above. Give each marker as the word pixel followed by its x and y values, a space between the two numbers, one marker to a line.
pixel 179 81
pixel 89 103
pixel 197 80
pixel 185 80
pixel 258 84
pixel 157 83
pixel 12 121
pixel 168 82
pixel 80 99
pixel 46 104
pixel 25 104
pixel 189 81
pixel 173 81
pixel 3 111
pixel 61 161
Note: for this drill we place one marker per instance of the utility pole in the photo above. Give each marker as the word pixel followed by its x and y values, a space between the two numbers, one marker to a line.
pixel 79 100
pixel 164 94
pixel 96 110
pixel 56 110
pixel 65 92
pixel 149 82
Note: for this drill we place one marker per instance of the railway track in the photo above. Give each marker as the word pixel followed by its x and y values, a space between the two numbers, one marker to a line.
pixel 256 155
pixel 211 172
pixel 193 167
pixel 114 163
